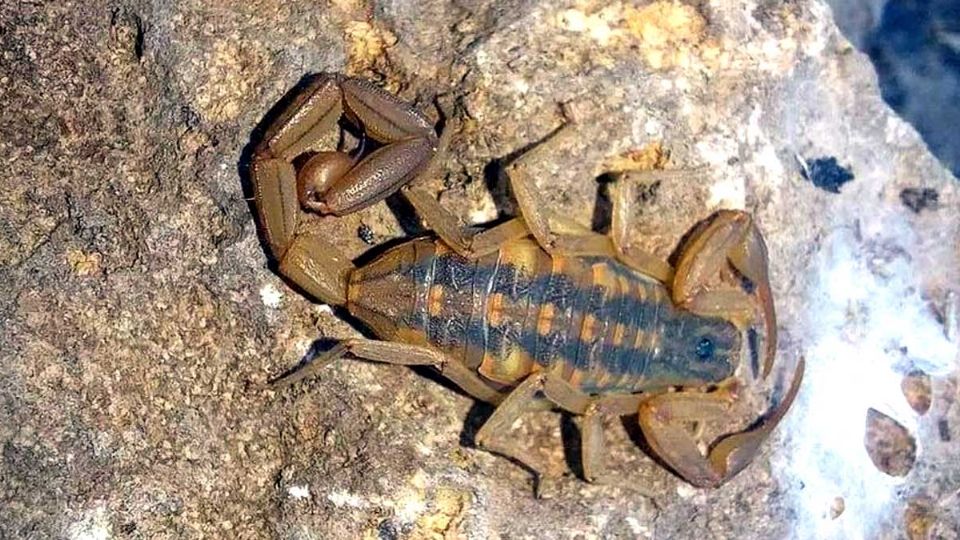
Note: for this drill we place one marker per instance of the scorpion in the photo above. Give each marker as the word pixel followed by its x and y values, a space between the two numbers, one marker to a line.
pixel 524 313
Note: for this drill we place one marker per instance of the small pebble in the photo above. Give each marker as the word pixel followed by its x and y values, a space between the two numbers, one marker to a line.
pixel 825 173
pixel 919 518
pixel 366 234
pixel 918 199
pixel 917 389
pixel 891 448
pixel 837 506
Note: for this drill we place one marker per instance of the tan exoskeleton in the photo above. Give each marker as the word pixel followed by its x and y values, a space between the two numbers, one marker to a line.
pixel 519 313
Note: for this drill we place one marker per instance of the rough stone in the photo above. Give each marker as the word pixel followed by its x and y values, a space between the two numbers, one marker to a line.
pixel 139 318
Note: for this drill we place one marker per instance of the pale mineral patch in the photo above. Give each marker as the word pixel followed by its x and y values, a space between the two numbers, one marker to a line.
pixel 299 492
pixel 345 499
pixel 232 74
pixel 271 296
pixel 95 525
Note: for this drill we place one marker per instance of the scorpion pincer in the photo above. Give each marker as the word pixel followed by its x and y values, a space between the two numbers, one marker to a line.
pixel 520 313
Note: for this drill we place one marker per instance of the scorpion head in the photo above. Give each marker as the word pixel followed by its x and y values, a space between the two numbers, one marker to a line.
pixel 696 351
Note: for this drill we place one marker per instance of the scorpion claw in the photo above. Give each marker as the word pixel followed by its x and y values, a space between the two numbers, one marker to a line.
pixel 733 453
pixel 702 285
pixel 664 421
pixel 729 239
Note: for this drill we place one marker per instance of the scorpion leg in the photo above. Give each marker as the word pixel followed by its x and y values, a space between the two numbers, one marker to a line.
pixel 553 233
pixel 367 349
pixel 493 435
pixel 623 193
pixel 591 444
pixel 404 354
pixel 466 242
pixel 558 235
pixel 592 409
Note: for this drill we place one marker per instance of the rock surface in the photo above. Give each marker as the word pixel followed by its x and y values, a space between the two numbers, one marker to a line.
pixel 139 318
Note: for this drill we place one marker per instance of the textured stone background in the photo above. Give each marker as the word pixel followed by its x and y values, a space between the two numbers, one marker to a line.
pixel 139 318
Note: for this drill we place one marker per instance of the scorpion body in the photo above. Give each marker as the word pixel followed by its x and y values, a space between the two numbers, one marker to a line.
pixel 600 325
pixel 519 314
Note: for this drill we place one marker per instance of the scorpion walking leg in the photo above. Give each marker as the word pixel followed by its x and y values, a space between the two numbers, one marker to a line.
pixel 591 444
pixel 558 235
pixel 593 409
pixel 591 427
pixel 493 435
pixel 555 234
pixel 466 242
pixel 623 194
pixel 389 352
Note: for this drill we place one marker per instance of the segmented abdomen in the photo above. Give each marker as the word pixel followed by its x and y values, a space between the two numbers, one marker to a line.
pixel 516 311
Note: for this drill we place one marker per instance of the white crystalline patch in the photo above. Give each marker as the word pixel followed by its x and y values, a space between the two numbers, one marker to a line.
pixel 728 193
pixel 342 499
pixel 271 296
pixel 600 520
pixel 896 131
pixel 862 314
pixel 763 161
pixel 636 527
pixel 685 490
pixel 716 148
pixel 93 526
pixel 817 39
pixel 595 25
pixel 299 492
pixel 652 127
pixel 411 507
pixel 574 20
pixel 520 86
